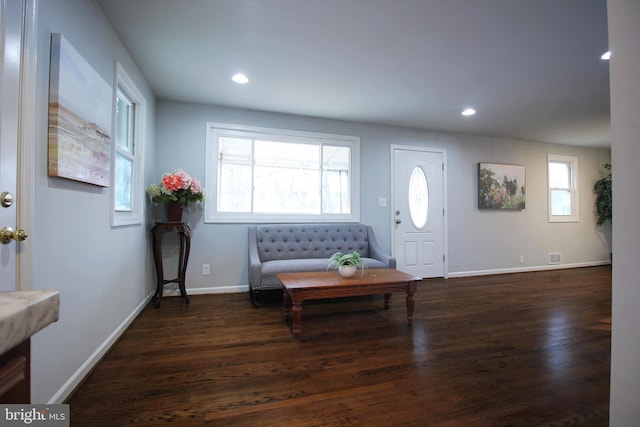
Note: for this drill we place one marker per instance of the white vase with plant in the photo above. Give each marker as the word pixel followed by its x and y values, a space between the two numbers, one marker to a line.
pixel 347 264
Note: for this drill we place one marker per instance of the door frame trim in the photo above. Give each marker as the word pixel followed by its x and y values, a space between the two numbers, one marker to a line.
pixel 445 232
pixel 27 135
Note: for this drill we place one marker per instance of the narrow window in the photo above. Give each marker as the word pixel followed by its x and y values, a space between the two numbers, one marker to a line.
pixel 125 152
pixel 563 188
pixel 127 187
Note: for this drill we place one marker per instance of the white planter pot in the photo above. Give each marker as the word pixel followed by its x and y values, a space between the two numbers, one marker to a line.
pixel 347 270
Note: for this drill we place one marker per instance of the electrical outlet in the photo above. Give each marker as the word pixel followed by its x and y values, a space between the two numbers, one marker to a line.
pixel 521 258
pixel 206 269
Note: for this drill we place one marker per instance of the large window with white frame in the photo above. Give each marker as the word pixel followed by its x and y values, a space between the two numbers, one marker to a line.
pixel 127 200
pixel 563 188
pixel 274 175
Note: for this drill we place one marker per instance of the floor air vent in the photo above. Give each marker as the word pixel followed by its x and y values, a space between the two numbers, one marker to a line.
pixel 555 258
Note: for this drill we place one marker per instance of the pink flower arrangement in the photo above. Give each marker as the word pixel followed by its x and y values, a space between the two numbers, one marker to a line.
pixel 179 187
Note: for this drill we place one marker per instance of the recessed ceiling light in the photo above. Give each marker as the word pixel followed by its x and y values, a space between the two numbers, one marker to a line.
pixel 606 56
pixel 240 78
pixel 468 112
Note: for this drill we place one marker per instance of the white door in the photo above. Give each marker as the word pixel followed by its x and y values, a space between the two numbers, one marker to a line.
pixel 10 69
pixel 419 211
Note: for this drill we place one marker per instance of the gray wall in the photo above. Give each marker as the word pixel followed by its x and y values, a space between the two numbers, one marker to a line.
pixel 479 241
pixel 102 273
pixel 624 33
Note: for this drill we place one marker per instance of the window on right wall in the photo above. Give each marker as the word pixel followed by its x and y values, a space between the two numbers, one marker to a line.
pixel 563 188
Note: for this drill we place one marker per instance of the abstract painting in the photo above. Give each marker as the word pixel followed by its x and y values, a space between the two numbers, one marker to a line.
pixel 79 117
pixel 501 186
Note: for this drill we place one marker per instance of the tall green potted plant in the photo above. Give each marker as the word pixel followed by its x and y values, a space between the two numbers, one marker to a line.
pixel 603 204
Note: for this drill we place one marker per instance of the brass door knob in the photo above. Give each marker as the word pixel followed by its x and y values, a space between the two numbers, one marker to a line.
pixel 7 233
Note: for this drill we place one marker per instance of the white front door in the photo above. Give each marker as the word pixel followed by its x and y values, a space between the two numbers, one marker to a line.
pixel 10 68
pixel 419 239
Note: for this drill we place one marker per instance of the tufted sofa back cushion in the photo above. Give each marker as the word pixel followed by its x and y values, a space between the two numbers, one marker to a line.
pixel 291 241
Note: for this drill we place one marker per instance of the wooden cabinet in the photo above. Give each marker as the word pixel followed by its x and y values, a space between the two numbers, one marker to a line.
pixel 15 374
pixel 22 314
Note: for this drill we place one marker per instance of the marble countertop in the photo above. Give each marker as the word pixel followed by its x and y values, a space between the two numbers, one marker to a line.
pixel 23 313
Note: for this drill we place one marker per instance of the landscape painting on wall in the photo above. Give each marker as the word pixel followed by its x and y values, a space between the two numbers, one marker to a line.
pixel 501 186
pixel 79 117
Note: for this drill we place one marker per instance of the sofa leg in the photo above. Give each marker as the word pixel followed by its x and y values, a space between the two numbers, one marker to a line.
pixel 254 296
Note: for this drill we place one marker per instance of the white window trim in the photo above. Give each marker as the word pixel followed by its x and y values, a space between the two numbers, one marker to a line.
pixel 575 213
pixel 133 217
pixel 215 130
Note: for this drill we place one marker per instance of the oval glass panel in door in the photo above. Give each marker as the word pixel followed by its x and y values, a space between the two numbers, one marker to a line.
pixel 418 197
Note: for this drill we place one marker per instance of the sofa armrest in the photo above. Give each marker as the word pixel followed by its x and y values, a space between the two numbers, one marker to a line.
pixel 376 252
pixel 255 265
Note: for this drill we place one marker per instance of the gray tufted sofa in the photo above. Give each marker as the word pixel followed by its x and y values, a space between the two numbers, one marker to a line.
pixel 285 248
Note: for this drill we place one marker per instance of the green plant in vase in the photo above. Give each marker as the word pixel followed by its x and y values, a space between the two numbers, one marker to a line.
pixel 347 264
pixel 603 204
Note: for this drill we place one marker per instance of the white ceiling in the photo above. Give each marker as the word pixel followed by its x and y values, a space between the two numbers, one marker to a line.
pixel 531 68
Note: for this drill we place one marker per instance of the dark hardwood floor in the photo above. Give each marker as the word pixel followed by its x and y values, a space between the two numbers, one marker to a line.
pixel 528 349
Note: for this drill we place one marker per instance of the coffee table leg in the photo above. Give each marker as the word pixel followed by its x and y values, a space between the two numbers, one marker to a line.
pixel 297 318
pixel 286 298
pixel 410 293
pixel 386 301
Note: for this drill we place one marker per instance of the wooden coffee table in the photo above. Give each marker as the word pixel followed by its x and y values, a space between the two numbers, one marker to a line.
pixel 299 287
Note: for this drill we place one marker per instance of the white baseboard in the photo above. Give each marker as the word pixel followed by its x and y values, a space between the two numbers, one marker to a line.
pixel 526 269
pixel 77 377
pixel 173 290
